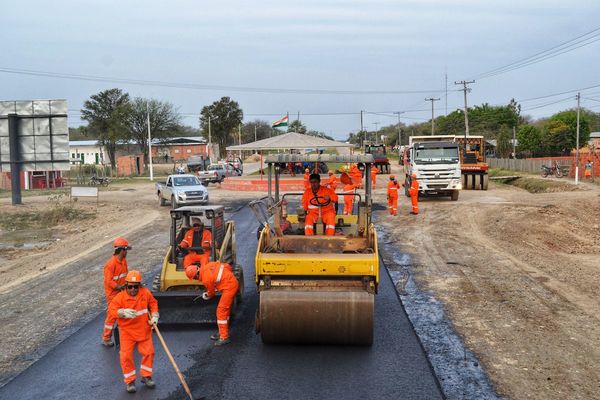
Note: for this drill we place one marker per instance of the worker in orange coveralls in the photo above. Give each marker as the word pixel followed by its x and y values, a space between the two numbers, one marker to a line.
pixel 131 307
pixel 356 175
pixel 197 237
pixel 332 184
pixel 392 195
pixel 115 271
pixel 374 172
pixel 319 199
pixel 219 276
pixel 306 178
pixel 414 194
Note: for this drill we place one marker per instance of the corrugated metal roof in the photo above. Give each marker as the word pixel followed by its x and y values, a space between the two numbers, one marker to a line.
pixel 290 140
pixel 332 158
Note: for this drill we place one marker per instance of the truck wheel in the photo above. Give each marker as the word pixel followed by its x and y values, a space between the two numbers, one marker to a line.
pixel 174 202
pixel 454 195
pixel 161 201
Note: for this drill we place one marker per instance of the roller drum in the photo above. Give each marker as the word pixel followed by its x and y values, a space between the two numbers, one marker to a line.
pixel 317 316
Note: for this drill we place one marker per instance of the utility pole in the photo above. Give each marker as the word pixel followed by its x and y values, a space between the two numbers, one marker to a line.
pixel 255 133
pixel 149 141
pixel 431 99
pixel 376 131
pixel 446 80
pixel 399 134
pixel 363 135
pixel 465 89
pixel 209 139
pixel 240 138
pixel 514 142
pixel 577 142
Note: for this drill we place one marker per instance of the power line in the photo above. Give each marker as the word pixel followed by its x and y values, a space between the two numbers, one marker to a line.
pixel 557 94
pixel 198 86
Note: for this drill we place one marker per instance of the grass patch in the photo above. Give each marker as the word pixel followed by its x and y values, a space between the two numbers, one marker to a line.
pixel 58 212
pixel 502 172
pixel 535 185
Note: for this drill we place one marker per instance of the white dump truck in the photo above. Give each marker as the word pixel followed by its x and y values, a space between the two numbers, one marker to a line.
pixel 436 161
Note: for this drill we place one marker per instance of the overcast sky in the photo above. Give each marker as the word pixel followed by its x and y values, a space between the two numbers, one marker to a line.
pixel 316 45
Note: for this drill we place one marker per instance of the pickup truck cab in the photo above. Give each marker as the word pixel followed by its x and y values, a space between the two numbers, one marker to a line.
pixel 180 190
pixel 216 173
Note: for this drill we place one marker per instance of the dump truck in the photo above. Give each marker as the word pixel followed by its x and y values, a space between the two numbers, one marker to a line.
pixel 435 161
pixel 379 153
pixel 316 289
pixel 472 162
pixel 180 299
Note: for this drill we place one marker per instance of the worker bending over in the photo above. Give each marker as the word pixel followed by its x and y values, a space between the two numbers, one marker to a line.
pixel 131 307
pixel 414 194
pixel 333 182
pixel 392 195
pixel 197 237
pixel 115 271
pixel 317 200
pixel 219 276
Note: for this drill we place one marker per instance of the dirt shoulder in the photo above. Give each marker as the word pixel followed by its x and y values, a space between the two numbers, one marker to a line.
pixel 49 291
pixel 518 275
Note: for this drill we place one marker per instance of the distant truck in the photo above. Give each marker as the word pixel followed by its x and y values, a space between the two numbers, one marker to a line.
pixel 436 161
pixel 180 190
pixel 198 163
pixel 215 173
pixel 379 155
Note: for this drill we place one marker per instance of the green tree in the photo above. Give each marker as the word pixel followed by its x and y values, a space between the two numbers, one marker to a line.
pixel 164 121
pixel 529 138
pixel 225 117
pixel 263 130
pixel 557 139
pixel 562 142
pixel 503 145
pixel 297 126
pixel 106 114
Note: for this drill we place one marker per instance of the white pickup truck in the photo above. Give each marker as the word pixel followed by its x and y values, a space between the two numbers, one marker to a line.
pixel 181 189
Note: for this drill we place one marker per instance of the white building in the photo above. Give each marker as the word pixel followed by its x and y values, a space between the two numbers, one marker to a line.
pixel 87 152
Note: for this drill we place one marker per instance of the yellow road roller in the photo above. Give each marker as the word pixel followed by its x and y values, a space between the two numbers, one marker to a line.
pixel 179 299
pixel 316 289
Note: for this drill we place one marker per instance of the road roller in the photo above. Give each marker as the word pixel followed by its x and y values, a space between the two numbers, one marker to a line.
pixel 180 299
pixel 316 289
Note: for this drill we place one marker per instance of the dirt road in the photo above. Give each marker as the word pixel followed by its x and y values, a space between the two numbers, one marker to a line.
pixel 518 274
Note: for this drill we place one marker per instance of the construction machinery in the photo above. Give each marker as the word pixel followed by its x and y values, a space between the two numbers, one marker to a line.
pixel 474 169
pixel 379 153
pixel 180 299
pixel 315 289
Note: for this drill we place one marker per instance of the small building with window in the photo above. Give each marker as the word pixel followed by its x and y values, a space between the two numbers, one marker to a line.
pixel 87 152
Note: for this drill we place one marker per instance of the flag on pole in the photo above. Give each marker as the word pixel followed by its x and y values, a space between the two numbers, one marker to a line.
pixel 281 122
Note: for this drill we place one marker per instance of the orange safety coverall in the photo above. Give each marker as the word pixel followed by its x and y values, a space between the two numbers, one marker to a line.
pixel 392 195
pixel 374 172
pixel 348 198
pixel 194 257
pixel 356 175
pixel 332 184
pixel 135 331
pixel 414 196
pixel 115 272
pixel 327 212
pixel 306 180
pixel 220 276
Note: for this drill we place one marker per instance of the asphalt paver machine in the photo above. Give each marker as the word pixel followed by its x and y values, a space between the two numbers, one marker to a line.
pixel 316 289
pixel 179 299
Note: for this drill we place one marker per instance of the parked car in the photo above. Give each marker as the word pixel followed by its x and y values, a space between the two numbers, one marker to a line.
pixel 215 173
pixel 181 189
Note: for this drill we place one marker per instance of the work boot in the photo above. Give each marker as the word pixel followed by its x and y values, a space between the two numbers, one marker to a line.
pixel 222 342
pixel 108 343
pixel 131 387
pixel 147 380
pixel 215 337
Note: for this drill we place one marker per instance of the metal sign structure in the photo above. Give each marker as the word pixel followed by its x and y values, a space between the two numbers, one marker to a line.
pixel 42 135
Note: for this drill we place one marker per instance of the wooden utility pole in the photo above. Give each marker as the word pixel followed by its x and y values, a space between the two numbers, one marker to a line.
pixel 431 99
pixel 577 141
pixel 465 89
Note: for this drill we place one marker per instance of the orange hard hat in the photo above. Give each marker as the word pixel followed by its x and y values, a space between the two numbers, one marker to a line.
pixel 392 177
pixel 121 243
pixel 134 276
pixel 191 271
pixel 414 175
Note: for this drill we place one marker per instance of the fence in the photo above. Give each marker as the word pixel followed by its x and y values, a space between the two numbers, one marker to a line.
pixel 534 165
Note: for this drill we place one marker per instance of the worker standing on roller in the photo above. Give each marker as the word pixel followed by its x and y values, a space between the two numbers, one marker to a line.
pixel 374 172
pixel 356 176
pixel 197 237
pixel 414 194
pixel 348 198
pixel 131 307
pixel 392 195
pixel 115 271
pixel 219 276
pixel 332 184
pixel 306 178
pixel 317 200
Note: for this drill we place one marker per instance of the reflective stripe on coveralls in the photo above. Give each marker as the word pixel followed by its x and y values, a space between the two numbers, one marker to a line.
pixel 392 193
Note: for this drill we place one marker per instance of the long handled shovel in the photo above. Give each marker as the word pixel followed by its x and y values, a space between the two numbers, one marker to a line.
pixel 179 374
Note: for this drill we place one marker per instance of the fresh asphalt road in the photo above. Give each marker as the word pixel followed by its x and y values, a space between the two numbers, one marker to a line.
pixel 394 367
